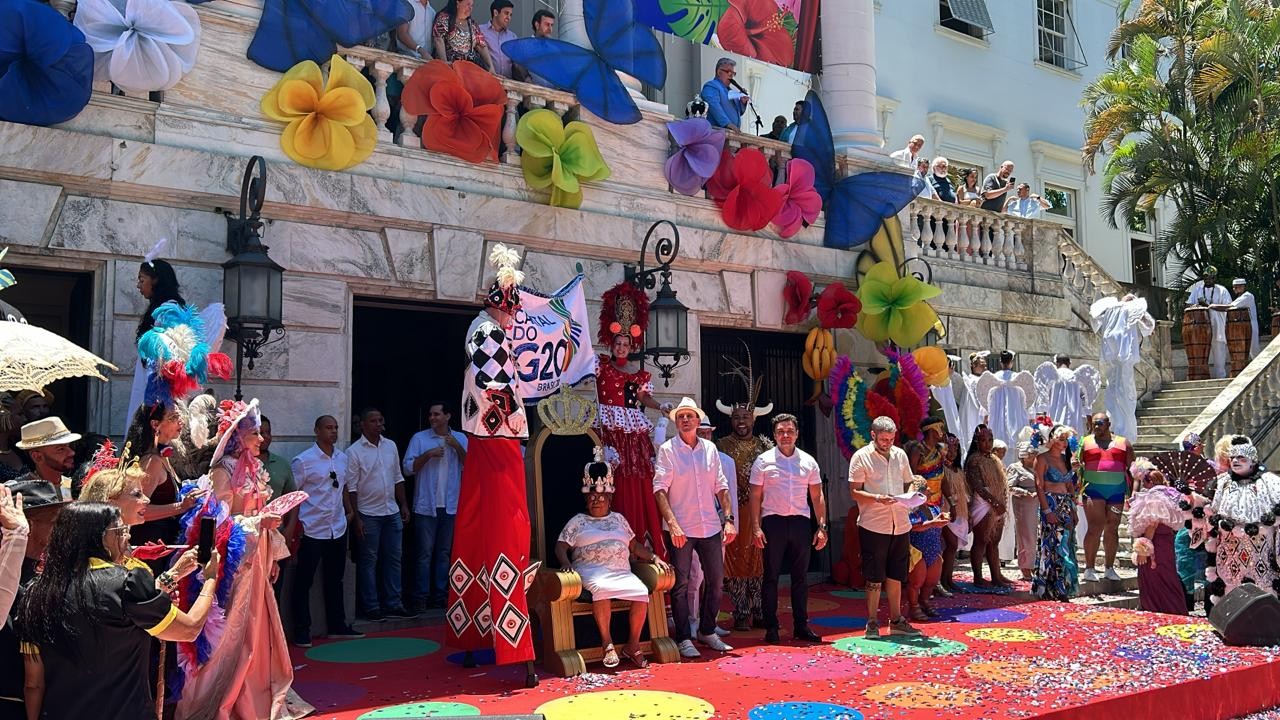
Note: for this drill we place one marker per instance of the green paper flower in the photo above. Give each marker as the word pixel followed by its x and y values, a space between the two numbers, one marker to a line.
pixel 893 307
pixel 558 156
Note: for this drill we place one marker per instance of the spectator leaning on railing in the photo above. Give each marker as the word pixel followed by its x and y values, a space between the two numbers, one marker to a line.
pixel 909 155
pixel 496 32
pixel 1026 205
pixel 941 181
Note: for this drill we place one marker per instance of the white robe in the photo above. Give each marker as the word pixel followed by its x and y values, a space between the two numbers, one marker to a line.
pixel 1216 295
pixel 1246 301
pixel 972 410
pixel 1121 324
pixel 1067 394
pixel 946 398
pixel 1009 397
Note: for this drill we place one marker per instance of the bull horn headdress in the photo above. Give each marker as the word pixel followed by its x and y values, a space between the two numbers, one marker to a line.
pixel 746 373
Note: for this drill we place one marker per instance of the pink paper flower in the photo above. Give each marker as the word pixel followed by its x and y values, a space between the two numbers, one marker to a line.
pixel 800 202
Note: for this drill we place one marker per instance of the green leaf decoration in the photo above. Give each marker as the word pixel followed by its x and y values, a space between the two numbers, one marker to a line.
pixel 789 23
pixel 693 20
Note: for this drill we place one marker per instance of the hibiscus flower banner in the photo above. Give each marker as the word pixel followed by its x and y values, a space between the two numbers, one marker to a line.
pixel 779 32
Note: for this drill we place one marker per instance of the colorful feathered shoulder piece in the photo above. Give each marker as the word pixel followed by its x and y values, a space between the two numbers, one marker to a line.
pixel 177 355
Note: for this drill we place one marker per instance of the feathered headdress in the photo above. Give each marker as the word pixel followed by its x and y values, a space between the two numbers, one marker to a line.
pixel 201 412
pixel 504 294
pixel 178 360
pixel 624 310
pixel 746 374
pixel 104 458
pixel 155 251
pixel 597 476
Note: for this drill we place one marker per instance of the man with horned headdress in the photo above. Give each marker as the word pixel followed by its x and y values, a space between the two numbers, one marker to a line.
pixel 743 562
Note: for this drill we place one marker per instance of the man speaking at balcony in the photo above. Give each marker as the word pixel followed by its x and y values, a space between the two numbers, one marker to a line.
pixel 724 108
pixel 486 605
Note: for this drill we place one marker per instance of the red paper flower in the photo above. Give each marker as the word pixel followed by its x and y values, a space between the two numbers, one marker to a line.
pixel 755 28
pixel 743 188
pixel 464 105
pixel 879 405
pixel 837 307
pixel 796 294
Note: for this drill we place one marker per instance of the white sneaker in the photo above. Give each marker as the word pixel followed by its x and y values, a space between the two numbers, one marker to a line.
pixel 1090 575
pixel 687 650
pixel 1111 574
pixel 721 632
pixel 714 642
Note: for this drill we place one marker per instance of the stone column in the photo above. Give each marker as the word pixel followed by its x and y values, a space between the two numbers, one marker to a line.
pixel 849 75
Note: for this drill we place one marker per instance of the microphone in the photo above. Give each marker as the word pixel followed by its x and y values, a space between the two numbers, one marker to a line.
pixel 747 95
pixel 739 87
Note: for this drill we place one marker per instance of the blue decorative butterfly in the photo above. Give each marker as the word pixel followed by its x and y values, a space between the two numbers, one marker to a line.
pixel 856 206
pixel 291 31
pixel 620 44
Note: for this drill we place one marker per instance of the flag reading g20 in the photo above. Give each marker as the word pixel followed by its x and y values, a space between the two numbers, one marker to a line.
pixel 551 341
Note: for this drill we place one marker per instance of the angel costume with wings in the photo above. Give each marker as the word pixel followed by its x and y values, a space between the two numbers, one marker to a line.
pixel 1121 323
pixel 1008 397
pixel 971 405
pixel 1067 394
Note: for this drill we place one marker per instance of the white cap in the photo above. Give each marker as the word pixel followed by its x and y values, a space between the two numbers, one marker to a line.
pixel 1238 281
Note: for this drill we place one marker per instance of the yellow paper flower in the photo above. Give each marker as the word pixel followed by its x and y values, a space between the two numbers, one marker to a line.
pixel 934 364
pixel 558 156
pixel 893 306
pixel 329 126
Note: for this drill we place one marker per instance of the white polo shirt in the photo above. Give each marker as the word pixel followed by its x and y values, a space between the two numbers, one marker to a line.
pixel 373 471
pixel 322 514
pixel 874 473
pixel 692 476
pixel 786 481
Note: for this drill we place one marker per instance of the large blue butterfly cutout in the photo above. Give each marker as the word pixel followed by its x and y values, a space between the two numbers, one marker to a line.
pixel 291 31
pixel 856 205
pixel 620 43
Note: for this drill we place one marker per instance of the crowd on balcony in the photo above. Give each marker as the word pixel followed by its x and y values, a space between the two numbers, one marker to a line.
pixel 998 192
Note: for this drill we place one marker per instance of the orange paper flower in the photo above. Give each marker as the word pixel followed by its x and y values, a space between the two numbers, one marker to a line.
pixel 464 105
pixel 329 126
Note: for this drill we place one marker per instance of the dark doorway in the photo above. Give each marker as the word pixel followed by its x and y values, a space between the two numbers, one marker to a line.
pixel 774 357
pixel 62 303
pixel 405 357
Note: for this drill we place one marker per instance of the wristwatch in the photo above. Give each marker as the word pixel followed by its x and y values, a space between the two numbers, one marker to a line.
pixel 822 527
pixel 728 519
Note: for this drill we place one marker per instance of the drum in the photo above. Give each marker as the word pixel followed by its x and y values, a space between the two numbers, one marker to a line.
pixel 1239 337
pixel 1275 324
pixel 1196 335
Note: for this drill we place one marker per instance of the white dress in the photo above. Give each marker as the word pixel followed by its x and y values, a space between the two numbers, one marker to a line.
pixel 1008 397
pixel 600 550
pixel 1067 394
pixel 946 398
pixel 1216 295
pixel 972 409
pixel 1121 324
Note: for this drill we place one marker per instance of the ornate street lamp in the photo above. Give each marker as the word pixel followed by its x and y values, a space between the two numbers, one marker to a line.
pixel 251 281
pixel 666 341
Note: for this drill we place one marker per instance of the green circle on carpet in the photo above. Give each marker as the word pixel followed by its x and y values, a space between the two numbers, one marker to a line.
pixel 850 594
pixel 372 650
pixel 423 710
pixel 900 646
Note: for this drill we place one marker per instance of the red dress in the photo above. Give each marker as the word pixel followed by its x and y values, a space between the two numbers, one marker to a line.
pixel 624 427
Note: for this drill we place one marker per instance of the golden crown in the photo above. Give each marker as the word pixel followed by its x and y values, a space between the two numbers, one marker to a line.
pixel 567 412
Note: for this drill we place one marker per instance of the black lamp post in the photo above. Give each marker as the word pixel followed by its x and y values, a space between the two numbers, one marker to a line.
pixel 251 281
pixel 667 340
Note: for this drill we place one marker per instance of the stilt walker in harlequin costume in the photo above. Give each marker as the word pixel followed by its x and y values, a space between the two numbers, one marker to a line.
pixel 491 567
pixel 623 394
pixel 743 561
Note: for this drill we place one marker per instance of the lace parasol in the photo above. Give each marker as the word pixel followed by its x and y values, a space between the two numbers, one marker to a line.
pixel 31 358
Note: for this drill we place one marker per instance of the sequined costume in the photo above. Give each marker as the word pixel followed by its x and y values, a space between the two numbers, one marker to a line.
pixel 743 561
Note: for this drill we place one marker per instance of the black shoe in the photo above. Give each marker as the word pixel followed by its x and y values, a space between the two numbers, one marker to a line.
pixel 807 635
pixel 374 616
pixel 346 633
pixel 771 636
pixel 303 641
pixel 400 614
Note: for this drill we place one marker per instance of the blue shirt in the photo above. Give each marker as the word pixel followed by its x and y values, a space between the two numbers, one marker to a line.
pixel 721 111
pixel 436 485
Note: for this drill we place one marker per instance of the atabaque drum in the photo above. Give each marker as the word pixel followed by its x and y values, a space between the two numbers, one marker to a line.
pixel 1239 337
pixel 1275 324
pixel 1196 334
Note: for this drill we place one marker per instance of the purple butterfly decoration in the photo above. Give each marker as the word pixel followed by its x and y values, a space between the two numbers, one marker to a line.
pixel 698 156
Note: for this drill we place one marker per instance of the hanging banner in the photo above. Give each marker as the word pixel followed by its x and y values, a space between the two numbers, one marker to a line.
pixel 551 341
pixel 779 32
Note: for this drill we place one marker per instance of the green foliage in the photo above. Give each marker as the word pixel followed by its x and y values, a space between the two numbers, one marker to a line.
pixel 694 19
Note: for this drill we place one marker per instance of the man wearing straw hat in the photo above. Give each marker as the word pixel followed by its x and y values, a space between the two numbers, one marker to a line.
pixel 688 478
pixel 48 442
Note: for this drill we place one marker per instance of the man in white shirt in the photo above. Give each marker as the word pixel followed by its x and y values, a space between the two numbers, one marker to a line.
pixel 877 473
pixel 496 32
pixel 1244 299
pixel 434 458
pixel 705 431
pixel 1026 205
pixel 909 155
pixel 375 488
pixel 784 479
pixel 320 471
pixel 1207 292
pixel 922 171
pixel 687 480
pixel 414 37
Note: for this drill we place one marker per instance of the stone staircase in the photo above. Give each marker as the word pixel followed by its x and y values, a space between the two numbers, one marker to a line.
pixel 1166 415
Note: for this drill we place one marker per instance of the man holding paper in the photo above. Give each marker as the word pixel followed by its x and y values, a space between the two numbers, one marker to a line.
pixel 881 482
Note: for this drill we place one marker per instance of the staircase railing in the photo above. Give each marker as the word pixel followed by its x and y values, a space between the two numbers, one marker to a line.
pixel 1248 405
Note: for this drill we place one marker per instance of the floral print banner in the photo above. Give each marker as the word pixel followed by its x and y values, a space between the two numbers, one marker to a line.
pixel 779 32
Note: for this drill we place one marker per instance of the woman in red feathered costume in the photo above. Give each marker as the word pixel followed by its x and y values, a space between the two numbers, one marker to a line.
pixel 623 393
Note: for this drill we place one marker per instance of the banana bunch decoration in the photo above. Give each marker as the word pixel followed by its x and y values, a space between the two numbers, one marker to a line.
pixel 818 358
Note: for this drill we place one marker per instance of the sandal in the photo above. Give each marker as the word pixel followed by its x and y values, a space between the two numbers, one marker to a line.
pixel 638 659
pixel 610 659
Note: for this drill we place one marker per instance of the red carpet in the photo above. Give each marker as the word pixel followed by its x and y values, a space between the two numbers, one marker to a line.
pixel 996 657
